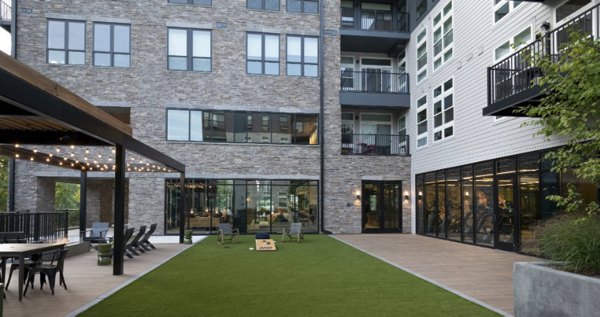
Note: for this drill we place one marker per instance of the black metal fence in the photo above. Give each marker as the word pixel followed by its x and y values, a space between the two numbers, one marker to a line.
pixel 35 226
pixel 518 72
pixel 375 144
pixel 376 80
pixel 375 20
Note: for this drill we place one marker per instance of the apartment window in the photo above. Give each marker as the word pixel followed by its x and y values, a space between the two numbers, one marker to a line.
pixel 443 111
pixel 422 122
pixel 421 9
pixel 241 127
pixel 513 44
pixel 262 54
pixel 566 9
pixel 302 56
pixel 112 44
pixel 422 56
pixel 503 7
pixel 269 5
pixel 184 125
pixel 189 49
pixel 201 2
pixel 443 36
pixel 306 6
pixel 66 42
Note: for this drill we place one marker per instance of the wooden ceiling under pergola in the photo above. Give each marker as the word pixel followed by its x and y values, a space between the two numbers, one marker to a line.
pixel 35 110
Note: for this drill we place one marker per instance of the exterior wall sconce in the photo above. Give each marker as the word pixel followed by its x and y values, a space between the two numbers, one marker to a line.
pixel 420 195
pixel 406 197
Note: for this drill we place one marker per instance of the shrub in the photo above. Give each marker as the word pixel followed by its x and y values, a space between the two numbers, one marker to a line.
pixel 573 239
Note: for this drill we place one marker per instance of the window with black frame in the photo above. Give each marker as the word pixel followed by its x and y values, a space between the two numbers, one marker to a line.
pixel 241 127
pixel 267 5
pixel 262 53
pixel 189 49
pixel 112 44
pixel 306 6
pixel 302 56
pixel 66 42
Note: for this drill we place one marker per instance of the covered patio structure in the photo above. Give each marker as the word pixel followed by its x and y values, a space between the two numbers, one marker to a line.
pixel 38 117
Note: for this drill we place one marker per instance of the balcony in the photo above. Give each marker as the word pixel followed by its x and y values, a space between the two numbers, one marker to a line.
pixel 514 81
pixel 374 88
pixel 375 144
pixel 5 15
pixel 373 31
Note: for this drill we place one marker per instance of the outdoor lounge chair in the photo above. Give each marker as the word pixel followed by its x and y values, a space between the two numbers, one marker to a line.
pixel 50 270
pixel 294 232
pixel 98 233
pixel 132 245
pixel 226 232
pixel 144 242
pixel 126 237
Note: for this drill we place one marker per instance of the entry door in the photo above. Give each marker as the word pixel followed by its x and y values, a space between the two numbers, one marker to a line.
pixel 382 206
pixel 504 212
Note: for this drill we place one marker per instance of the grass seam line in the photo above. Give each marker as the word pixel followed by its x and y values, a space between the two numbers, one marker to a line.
pixel 436 283
pixel 127 282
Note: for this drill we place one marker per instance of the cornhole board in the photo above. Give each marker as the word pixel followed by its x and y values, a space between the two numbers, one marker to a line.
pixel 265 245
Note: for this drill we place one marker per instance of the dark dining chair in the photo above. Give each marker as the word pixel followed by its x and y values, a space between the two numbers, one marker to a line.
pixel 56 266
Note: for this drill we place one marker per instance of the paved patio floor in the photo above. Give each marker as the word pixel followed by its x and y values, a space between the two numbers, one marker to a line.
pixel 86 282
pixel 480 273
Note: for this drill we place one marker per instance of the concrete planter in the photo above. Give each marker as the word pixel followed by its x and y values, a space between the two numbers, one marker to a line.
pixel 542 291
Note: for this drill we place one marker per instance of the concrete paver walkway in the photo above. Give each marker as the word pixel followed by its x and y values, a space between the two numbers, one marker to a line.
pixel 481 273
pixel 86 283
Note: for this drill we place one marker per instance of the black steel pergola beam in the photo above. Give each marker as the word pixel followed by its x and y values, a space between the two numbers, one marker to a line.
pixel 41 137
pixel 30 98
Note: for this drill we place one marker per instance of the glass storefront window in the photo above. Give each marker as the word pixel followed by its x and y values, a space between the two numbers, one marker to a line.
pixel 430 205
pixel 484 211
pixel 453 204
pixel 441 204
pixel 467 199
pixel 250 205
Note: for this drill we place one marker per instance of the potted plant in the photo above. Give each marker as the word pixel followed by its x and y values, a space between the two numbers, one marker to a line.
pixel 104 253
pixel 187 237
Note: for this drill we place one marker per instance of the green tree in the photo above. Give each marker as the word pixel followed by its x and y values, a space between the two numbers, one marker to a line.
pixel 570 111
pixel 66 196
pixel 3 183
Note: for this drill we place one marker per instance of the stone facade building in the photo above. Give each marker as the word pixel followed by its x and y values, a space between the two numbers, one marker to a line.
pixel 348 116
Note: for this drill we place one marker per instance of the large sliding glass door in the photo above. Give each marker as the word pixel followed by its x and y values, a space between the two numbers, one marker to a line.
pixel 382 206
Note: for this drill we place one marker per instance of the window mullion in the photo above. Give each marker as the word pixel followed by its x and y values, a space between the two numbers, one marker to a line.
pixel 190 49
pixel 66 48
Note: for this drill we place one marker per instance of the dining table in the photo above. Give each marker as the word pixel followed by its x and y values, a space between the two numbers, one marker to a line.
pixel 21 251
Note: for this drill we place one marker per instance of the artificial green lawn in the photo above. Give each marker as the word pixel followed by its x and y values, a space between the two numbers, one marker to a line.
pixel 318 277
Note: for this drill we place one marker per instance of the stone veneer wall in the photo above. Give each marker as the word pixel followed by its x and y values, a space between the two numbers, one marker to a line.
pixel 148 87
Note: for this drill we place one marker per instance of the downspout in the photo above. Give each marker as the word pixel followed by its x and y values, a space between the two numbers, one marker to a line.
pixel 321 119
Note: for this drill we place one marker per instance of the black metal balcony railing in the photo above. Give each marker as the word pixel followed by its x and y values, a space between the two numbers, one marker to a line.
pixel 5 12
pixel 379 81
pixel 518 72
pixel 375 20
pixel 35 226
pixel 375 144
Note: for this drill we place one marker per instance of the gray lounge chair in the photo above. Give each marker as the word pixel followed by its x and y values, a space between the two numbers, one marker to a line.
pixel 226 232
pixel 98 233
pixel 294 232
